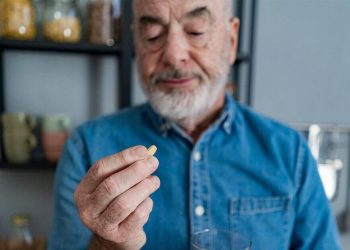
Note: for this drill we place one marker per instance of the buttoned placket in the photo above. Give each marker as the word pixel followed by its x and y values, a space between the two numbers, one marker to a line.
pixel 200 195
pixel 200 179
pixel 200 211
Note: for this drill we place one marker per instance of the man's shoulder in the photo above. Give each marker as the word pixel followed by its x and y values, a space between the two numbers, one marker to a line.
pixel 267 128
pixel 277 145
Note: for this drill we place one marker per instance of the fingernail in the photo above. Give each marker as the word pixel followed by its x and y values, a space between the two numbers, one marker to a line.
pixel 141 151
pixel 156 181
pixel 153 161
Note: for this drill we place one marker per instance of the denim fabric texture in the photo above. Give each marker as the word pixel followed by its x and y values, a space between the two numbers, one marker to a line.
pixel 246 173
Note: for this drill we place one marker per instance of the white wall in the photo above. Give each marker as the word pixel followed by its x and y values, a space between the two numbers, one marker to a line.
pixel 77 85
pixel 303 60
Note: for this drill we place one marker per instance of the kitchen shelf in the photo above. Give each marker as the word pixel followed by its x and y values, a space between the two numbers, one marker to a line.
pixel 30 166
pixel 123 52
pixel 79 48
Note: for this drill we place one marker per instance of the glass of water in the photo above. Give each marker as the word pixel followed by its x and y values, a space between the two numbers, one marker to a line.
pixel 214 239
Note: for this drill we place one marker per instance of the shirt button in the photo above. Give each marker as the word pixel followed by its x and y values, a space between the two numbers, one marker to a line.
pixel 197 156
pixel 227 125
pixel 199 211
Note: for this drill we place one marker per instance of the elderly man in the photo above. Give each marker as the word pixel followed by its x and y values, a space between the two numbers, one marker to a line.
pixel 220 164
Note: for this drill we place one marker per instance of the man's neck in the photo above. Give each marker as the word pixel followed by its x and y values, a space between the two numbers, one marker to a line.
pixel 195 126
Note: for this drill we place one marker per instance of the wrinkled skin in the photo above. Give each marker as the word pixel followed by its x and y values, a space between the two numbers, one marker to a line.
pixel 113 198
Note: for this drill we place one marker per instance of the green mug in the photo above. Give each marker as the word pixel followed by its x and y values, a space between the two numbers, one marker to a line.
pixel 18 146
pixel 15 121
pixel 56 123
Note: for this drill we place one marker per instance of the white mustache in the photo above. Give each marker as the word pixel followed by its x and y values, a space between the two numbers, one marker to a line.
pixel 173 74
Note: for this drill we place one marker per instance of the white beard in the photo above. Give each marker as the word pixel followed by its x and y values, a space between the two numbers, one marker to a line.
pixel 177 104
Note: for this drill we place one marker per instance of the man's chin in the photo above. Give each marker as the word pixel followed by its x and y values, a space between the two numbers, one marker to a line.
pixel 177 106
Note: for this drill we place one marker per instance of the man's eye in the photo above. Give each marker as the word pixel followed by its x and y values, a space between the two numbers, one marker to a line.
pixel 196 33
pixel 153 39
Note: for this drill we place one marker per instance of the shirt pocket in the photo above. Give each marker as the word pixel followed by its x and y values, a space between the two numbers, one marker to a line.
pixel 264 220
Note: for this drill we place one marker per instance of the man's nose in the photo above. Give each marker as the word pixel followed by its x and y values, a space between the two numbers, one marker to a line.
pixel 176 50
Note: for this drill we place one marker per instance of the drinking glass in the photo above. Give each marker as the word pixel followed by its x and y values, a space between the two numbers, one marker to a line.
pixel 215 239
pixel 329 146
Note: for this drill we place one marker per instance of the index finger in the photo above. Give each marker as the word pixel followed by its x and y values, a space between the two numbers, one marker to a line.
pixel 112 164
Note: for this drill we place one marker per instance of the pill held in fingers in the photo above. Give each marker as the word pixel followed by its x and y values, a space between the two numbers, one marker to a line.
pixel 152 150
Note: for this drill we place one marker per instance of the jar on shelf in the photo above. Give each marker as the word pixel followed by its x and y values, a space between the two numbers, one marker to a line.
pixel 100 22
pixel 61 21
pixel 117 22
pixel 20 237
pixel 17 19
pixel 38 9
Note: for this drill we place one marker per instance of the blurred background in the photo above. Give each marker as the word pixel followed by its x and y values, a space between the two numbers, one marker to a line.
pixel 63 62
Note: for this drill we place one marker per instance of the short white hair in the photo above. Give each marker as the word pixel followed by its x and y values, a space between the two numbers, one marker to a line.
pixel 228 12
pixel 228 8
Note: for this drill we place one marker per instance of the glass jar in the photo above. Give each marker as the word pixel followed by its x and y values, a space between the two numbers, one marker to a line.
pixel 61 21
pixel 38 8
pixel 20 237
pixel 117 22
pixel 100 23
pixel 17 19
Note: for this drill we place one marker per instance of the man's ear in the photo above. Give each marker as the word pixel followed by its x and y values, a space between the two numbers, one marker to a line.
pixel 234 34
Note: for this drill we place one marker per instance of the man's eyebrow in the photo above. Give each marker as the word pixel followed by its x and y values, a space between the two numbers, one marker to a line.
pixel 198 12
pixel 145 20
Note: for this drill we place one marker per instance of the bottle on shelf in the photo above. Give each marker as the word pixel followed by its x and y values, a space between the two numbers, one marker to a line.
pixel 20 237
pixel 17 19
pixel 38 9
pixel 61 21
pixel 117 22
pixel 100 22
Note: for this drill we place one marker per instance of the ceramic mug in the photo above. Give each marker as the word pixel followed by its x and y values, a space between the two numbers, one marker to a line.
pixel 55 131
pixel 18 146
pixel 56 122
pixel 53 143
pixel 15 121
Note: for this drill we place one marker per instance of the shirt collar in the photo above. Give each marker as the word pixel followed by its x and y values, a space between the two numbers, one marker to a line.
pixel 228 113
pixel 161 124
pixel 225 120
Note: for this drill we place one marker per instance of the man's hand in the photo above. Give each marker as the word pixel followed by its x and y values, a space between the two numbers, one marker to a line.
pixel 113 198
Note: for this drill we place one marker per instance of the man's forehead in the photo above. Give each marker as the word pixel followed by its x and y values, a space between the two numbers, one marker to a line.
pixel 167 7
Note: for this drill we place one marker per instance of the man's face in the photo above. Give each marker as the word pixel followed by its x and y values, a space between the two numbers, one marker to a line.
pixel 184 50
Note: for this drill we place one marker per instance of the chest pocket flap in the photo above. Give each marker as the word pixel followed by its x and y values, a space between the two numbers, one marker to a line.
pixel 265 220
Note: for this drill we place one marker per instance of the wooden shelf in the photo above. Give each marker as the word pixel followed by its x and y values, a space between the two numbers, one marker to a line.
pixel 81 48
pixel 77 48
pixel 37 245
pixel 35 165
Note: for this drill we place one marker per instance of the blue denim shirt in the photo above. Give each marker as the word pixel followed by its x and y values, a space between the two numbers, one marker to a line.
pixel 246 173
